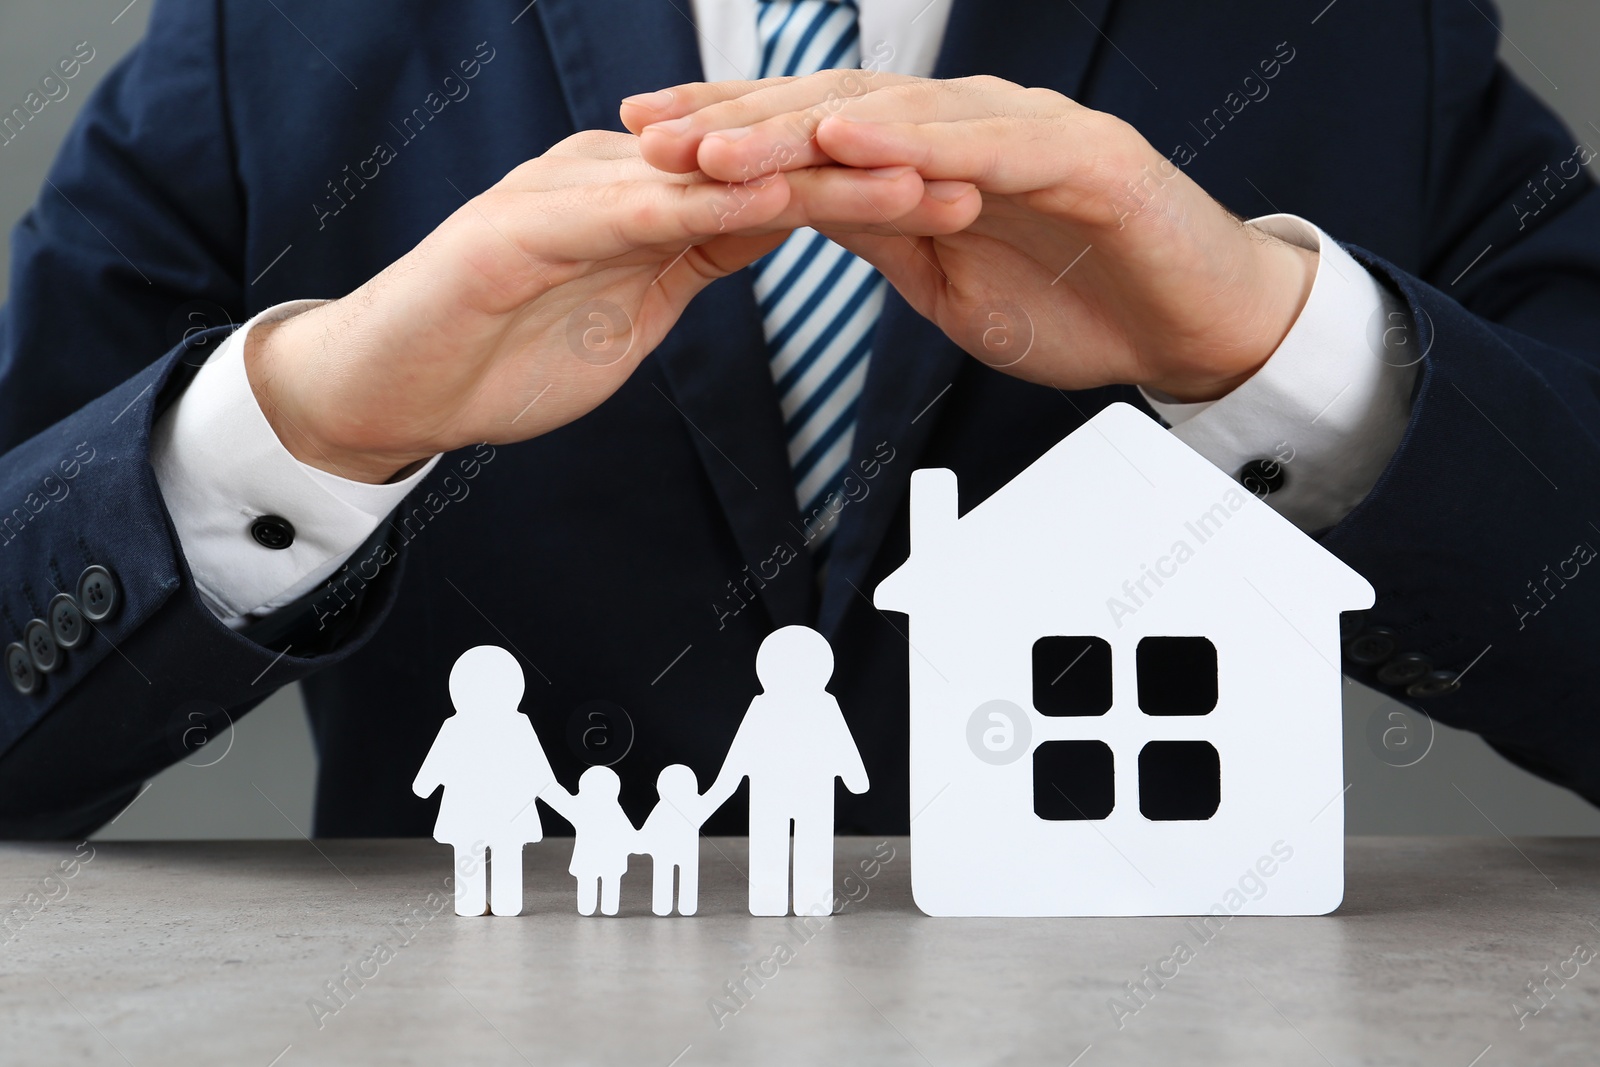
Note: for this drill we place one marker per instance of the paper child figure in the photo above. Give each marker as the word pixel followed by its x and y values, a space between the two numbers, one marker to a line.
pixel 792 743
pixel 671 838
pixel 491 765
pixel 604 837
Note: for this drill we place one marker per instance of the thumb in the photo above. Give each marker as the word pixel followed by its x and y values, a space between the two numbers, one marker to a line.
pixel 737 251
pixel 906 262
pixel 717 258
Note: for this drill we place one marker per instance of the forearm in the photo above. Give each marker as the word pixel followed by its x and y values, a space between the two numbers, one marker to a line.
pixel 103 718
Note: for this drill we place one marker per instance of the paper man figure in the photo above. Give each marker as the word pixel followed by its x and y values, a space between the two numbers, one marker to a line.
pixel 604 836
pixel 671 838
pixel 792 743
pixel 492 766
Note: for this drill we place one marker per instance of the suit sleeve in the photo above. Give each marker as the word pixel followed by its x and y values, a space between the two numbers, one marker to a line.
pixel 133 248
pixel 1480 536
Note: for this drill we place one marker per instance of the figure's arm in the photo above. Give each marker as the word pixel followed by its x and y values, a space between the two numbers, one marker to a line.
pixel 852 771
pixel 699 807
pixel 429 776
pixel 728 779
pixel 542 779
pixel 855 779
pixel 565 803
pixel 721 789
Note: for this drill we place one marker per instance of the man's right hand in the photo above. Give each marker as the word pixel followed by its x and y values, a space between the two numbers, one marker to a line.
pixel 504 322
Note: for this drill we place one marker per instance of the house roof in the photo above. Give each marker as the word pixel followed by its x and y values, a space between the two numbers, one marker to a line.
pixel 1105 502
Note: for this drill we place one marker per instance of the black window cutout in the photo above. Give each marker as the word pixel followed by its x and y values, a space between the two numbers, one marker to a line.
pixel 1179 780
pixel 1072 676
pixel 1177 676
pixel 1073 780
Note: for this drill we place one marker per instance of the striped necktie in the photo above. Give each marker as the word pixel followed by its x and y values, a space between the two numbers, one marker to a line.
pixel 819 304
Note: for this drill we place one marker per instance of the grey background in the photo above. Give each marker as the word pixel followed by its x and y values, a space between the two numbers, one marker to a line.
pixel 256 780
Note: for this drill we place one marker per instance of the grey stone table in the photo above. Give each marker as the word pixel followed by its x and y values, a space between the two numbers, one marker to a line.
pixel 288 953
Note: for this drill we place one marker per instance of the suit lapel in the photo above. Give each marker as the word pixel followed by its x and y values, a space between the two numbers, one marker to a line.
pixel 714 360
pixel 604 50
pixel 1030 42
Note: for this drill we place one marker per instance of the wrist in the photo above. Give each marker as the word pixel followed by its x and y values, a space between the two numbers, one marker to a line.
pixel 277 358
pixel 1285 275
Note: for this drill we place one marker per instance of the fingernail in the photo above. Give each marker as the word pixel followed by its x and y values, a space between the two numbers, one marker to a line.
pixel 890 173
pixel 737 133
pixel 656 101
pixel 673 127
pixel 947 191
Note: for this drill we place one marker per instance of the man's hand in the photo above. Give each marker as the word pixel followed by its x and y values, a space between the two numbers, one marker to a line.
pixel 1124 268
pixel 534 302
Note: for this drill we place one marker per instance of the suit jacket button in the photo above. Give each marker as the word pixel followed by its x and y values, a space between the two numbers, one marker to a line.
pixel 1371 646
pixel 1404 669
pixel 66 621
pixel 1433 684
pixel 1262 476
pixel 42 647
pixel 272 531
pixel 19 668
pixel 98 597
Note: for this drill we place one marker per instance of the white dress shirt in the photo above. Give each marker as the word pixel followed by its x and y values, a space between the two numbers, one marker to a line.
pixel 220 467
pixel 1325 407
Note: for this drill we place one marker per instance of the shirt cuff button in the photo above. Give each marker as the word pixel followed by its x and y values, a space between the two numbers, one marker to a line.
pixel 1262 476
pixel 272 531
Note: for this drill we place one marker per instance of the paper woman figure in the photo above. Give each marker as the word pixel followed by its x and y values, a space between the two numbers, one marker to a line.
pixel 491 765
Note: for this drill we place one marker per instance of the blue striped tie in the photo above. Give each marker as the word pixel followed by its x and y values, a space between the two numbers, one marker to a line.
pixel 819 304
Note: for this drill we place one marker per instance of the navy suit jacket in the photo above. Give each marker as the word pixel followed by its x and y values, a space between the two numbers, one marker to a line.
pixel 230 164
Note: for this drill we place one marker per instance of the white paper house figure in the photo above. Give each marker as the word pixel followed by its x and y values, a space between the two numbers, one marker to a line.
pixel 1125 692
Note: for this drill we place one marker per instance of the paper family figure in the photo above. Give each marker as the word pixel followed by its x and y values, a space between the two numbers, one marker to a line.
pixel 671 838
pixel 602 836
pixel 792 744
pixel 1125 697
pixel 491 765
pixel 1125 700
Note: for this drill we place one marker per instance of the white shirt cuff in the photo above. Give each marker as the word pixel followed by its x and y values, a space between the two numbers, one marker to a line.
pixel 1331 404
pixel 221 466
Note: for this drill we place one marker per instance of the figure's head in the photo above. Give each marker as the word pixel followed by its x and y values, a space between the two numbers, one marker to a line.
pixel 600 781
pixel 677 784
pixel 794 657
pixel 486 680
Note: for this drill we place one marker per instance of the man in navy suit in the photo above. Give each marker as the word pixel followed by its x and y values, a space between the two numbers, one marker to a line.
pixel 457 352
